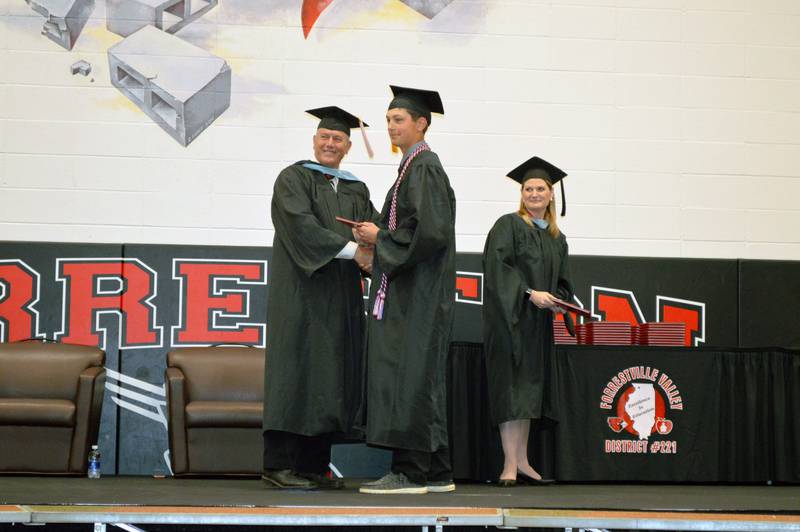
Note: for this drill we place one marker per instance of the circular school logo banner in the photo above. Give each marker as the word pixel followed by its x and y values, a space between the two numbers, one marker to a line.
pixel 640 399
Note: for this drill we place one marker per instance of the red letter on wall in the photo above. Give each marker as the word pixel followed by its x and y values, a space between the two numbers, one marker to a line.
pixel 611 304
pixel 123 287
pixel 208 300
pixel 469 287
pixel 19 291
pixel 692 313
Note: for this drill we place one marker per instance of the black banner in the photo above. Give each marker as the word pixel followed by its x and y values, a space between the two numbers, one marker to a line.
pixel 643 414
pixel 637 414
pixel 769 302
pixel 139 301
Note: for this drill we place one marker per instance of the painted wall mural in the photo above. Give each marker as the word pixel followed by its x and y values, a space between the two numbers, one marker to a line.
pixel 64 21
pixel 125 17
pixel 175 77
pixel 312 9
pixel 111 108
pixel 181 87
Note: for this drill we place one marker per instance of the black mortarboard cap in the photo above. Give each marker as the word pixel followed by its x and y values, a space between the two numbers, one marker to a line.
pixel 538 168
pixel 421 101
pixel 336 118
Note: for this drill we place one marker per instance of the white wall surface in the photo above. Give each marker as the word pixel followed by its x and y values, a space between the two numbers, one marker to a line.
pixel 677 120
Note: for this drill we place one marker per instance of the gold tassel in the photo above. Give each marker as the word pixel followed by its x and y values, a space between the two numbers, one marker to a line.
pixel 370 153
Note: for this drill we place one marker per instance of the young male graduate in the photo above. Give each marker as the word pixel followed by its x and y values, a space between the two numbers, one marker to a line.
pixel 315 313
pixel 411 308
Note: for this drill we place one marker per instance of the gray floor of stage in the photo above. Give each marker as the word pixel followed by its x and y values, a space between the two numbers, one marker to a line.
pixel 143 491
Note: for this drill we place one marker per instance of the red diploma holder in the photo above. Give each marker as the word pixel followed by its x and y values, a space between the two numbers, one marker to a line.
pixel 574 308
pixel 568 306
pixel 346 221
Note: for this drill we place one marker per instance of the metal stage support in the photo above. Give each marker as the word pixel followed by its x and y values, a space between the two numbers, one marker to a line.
pixel 129 517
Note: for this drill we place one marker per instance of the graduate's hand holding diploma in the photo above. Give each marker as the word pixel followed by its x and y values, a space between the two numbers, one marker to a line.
pixel 545 300
pixel 569 307
pixel 366 233
pixel 365 252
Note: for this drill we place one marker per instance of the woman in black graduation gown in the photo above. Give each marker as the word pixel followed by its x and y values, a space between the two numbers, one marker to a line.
pixel 525 264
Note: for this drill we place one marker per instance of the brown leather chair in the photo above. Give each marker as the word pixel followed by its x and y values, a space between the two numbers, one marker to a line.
pixel 215 398
pixel 50 400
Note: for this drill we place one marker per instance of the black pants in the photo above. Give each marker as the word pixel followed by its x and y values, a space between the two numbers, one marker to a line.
pixel 421 467
pixel 302 454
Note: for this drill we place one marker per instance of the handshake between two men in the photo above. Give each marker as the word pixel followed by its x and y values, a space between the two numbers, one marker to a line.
pixel 366 235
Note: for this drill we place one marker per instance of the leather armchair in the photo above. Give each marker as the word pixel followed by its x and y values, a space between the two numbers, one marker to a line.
pixel 215 399
pixel 51 396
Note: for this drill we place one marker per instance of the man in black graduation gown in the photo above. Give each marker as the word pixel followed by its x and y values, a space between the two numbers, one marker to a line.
pixel 411 308
pixel 315 311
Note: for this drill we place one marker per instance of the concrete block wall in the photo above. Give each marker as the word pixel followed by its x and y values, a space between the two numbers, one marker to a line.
pixel 677 120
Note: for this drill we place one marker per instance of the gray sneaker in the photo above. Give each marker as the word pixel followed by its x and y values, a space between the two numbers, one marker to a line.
pixel 393 483
pixel 440 486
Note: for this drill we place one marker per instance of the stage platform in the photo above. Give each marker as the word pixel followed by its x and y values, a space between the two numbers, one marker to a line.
pixel 141 501
pixel 145 501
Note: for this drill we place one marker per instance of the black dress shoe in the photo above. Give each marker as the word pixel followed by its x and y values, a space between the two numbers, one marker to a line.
pixel 323 481
pixel 527 479
pixel 287 479
pixel 506 483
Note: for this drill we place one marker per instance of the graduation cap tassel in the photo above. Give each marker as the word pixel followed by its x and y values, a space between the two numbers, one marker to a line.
pixel 563 200
pixel 370 153
pixel 377 309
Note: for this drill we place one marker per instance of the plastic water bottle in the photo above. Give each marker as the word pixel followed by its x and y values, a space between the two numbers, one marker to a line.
pixel 94 463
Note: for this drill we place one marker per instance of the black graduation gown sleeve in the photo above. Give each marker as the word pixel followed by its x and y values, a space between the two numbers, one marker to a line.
pixel 505 288
pixel 518 336
pixel 405 402
pixel 425 225
pixel 564 290
pixel 315 313
pixel 310 245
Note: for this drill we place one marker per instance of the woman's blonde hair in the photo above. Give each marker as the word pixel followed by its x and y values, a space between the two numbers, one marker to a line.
pixel 549 213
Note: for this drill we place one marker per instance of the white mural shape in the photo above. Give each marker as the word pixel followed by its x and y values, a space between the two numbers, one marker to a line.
pixel 125 17
pixel 429 8
pixel 84 68
pixel 64 19
pixel 183 88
